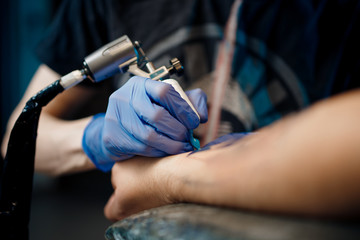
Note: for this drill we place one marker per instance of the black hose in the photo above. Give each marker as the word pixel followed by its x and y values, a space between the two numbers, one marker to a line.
pixel 17 169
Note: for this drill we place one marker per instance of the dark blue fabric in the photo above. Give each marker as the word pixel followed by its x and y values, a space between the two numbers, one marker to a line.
pixel 292 53
pixel 288 55
pixel 82 26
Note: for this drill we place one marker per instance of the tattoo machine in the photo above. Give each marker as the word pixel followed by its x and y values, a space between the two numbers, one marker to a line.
pixel 121 56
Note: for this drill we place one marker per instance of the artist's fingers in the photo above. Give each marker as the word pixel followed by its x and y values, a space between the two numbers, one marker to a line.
pixel 165 95
pixel 199 100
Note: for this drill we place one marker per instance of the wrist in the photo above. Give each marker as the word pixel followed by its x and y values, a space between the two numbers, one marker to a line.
pixel 92 143
pixel 176 177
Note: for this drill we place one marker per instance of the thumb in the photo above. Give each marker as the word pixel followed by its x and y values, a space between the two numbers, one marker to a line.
pixel 199 99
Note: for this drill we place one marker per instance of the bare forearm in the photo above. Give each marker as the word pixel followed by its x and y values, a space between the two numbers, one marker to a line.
pixel 59 150
pixel 307 164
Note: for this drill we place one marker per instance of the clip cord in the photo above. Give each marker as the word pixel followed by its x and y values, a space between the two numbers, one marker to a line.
pixel 17 169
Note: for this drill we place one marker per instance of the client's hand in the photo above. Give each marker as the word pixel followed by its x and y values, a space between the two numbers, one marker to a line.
pixel 142 183
pixel 139 184
pixel 144 117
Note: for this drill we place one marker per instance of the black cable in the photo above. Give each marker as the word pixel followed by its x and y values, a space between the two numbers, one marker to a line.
pixel 17 169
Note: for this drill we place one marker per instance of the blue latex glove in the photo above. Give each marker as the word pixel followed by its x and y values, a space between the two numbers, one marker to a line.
pixel 144 117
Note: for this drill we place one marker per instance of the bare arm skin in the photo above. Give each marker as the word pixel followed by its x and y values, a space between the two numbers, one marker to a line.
pixel 307 164
pixel 59 148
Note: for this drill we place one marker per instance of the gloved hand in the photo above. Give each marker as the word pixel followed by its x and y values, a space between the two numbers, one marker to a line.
pixel 144 117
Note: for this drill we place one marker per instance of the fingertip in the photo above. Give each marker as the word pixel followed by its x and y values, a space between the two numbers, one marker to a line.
pixel 188 147
pixel 193 121
pixel 199 99
pixel 203 115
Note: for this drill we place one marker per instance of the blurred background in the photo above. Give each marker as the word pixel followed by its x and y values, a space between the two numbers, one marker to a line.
pixel 68 207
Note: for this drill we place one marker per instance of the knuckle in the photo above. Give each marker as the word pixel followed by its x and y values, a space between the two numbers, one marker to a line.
pixel 156 116
pixel 163 89
pixel 116 98
pixel 149 116
pixel 150 138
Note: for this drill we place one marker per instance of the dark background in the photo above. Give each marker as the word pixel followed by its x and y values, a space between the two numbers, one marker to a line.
pixel 68 207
